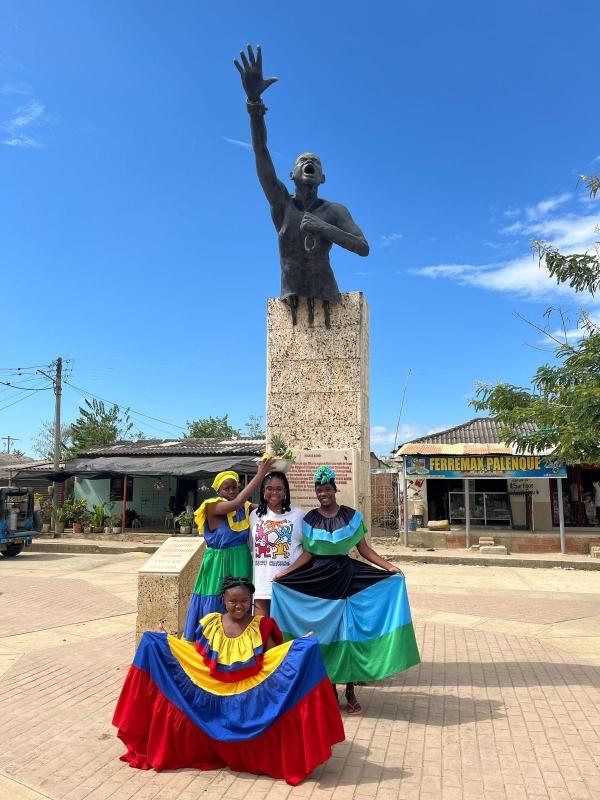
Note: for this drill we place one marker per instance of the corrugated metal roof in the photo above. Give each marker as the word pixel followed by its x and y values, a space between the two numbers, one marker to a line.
pixel 8 460
pixel 477 436
pixel 481 430
pixel 179 447
pixel 421 449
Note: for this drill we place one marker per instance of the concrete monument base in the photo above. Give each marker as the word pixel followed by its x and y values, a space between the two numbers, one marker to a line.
pixel 318 388
pixel 165 585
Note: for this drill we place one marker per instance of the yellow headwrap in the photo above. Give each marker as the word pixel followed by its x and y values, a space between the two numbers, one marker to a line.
pixel 228 474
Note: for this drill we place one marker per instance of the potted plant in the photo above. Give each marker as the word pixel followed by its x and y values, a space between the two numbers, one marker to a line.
pixel 78 509
pixel 115 522
pixel 185 520
pixel 59 520
pixel 98 516
pixel 46 512
pixel 281 452
pixel 86 521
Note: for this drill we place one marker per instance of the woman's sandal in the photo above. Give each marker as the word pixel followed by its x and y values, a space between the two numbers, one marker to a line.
pixel 353 707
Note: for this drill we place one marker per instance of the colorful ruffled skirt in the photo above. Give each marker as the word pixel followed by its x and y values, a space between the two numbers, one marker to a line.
pixel 281 722
pixel 217 564
pixel 359 614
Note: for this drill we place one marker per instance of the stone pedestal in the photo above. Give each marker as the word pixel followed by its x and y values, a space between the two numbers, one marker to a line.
pixel 318 384
pixel 165 584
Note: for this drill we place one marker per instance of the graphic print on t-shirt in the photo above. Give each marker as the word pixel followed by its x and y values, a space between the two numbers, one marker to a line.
pixel 273 539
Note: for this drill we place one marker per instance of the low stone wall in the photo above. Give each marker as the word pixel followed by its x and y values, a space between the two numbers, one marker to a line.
pixel 165 585
pixel 514 541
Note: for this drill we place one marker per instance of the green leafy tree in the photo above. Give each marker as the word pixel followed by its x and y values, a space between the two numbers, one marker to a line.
pixel 563 401
pixel 98 425
pixel 255 427
pixel 581 271
pixel 211 428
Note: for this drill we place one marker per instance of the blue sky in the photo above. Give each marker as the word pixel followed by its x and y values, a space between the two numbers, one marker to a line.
pixel 135 241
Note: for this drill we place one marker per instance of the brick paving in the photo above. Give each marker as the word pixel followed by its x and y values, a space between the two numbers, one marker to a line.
pixel 487 714
pixel 51 602
pixel 520 606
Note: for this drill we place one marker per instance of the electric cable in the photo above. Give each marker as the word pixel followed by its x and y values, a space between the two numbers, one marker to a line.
pixel 124 407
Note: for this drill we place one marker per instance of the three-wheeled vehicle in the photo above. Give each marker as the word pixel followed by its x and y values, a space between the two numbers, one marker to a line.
pixel 19 521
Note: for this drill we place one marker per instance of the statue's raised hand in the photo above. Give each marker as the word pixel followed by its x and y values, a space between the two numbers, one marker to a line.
pixel 251 73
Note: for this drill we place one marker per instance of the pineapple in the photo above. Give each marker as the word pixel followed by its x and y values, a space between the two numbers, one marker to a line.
pixel 278 446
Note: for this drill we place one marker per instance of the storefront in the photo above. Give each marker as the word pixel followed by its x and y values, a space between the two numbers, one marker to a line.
pixel 492 489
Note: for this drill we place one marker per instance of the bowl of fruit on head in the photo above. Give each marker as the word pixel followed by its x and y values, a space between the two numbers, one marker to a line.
pixel 278 449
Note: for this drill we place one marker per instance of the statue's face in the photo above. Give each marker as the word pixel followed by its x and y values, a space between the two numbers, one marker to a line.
pixel 308 170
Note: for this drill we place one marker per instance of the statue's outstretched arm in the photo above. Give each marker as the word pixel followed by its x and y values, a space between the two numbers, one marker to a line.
pixel 345 232
pixel 254 85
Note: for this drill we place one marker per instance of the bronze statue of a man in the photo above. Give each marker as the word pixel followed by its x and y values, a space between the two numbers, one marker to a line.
pixel 307 225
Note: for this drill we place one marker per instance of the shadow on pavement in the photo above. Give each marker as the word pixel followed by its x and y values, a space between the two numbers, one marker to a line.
pixel 37 557
pixel 502 673
pixel 431 709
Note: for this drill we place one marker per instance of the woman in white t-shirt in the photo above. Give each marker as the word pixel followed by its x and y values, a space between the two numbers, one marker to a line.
pixel 275 536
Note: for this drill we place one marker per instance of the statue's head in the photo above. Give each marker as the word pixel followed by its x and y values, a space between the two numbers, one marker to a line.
pixel 307 170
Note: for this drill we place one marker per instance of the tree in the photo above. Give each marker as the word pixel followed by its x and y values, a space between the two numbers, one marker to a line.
pixel 580 270
pixel 98 425
pixel 43 446
pixel 255 427
pixel 211 428
pixel 564 399
pixel 16 452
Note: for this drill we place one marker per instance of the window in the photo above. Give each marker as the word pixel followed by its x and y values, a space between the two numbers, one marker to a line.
pixel 116 488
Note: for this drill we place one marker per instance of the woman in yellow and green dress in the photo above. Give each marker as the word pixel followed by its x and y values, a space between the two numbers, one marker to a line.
pixel 224 521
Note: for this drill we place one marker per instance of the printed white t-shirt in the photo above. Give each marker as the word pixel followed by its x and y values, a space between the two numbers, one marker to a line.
pixel 276 542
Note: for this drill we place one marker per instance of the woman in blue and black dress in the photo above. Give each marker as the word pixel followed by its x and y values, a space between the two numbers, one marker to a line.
pixel 359 613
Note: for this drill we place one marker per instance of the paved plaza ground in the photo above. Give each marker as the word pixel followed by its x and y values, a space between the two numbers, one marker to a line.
pixel 505 704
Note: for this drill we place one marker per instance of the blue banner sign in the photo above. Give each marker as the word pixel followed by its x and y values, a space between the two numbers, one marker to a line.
pixel 489 466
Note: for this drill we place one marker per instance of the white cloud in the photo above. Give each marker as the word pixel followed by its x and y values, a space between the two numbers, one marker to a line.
pixel 237 142
pixel 364 273
pixel 21 119
pixel 522 275
pixel 571 334
pixel 545 206
pixel 388 239
pixel 445 270
pixel 22 141
pixel 383 437
pixel 25 115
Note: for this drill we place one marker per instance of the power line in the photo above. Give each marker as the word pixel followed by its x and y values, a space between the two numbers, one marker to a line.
pixel 14 403
pixel 121 406
pixel 29 380
pixel 25 388
pixel 21 369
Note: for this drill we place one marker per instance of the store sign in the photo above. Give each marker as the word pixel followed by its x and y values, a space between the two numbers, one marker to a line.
pixel 523 486
pixel 492 466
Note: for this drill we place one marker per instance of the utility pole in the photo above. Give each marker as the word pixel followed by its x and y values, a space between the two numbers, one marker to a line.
pixel 8 440
pixel 57 395
pixel 57 381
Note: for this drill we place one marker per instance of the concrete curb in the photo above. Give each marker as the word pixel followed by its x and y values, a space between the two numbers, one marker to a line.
pixel 62 546
pixel 55 546
pixel 494 561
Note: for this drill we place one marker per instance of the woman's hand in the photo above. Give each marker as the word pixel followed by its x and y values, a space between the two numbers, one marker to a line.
pixel 266 466
pixel 394 568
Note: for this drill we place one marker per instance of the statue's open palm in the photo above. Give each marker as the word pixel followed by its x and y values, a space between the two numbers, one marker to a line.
pixel 251 73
